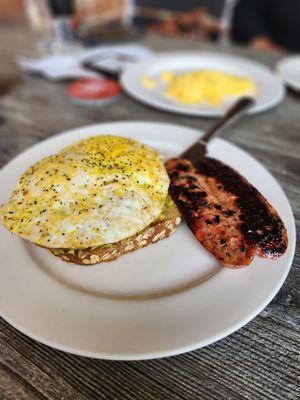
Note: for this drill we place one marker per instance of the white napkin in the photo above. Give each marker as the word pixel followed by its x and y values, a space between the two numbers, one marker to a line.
pixel 63 66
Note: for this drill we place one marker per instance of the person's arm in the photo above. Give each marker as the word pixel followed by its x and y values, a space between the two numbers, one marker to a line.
pixel 249 20
pixel 264 43
pixel 249 24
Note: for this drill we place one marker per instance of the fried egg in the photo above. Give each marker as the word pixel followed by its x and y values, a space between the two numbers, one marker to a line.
pixel 98 191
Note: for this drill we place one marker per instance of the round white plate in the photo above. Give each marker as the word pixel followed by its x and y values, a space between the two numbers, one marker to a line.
pixel 270 89
pixel 289 71
pixel 165 299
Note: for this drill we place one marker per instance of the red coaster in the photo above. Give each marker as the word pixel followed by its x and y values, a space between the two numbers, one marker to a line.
pixel 91 91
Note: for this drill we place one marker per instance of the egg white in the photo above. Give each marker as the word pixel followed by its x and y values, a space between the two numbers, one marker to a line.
pixel 98 191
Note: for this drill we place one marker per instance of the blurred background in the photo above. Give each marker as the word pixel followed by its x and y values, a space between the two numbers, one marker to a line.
pixel 62 26
pixel 269 24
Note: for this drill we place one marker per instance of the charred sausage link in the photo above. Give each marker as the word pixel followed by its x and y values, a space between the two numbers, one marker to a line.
pixel 230 218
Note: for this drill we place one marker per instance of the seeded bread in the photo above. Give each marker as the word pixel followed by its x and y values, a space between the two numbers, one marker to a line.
pixel 162 228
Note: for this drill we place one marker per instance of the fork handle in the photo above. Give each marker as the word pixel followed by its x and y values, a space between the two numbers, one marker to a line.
pixel 235 113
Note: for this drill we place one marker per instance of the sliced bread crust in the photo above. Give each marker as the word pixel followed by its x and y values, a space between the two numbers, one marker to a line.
pixel 158 230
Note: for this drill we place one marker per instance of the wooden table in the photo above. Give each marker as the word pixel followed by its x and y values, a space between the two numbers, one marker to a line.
pixel 260 361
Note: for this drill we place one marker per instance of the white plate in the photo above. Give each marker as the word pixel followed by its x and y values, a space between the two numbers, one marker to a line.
pixel 168 298
pixel 289 71
pixel 270 89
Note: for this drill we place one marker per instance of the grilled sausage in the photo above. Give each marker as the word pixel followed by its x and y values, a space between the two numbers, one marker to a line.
pixel 229 217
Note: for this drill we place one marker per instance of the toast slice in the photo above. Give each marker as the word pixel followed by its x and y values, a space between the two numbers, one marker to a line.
pixel 163 227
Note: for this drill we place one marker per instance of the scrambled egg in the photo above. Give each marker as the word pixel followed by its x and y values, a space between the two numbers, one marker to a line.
pixel 152 83
pixel 98 191
pixel 208 87
pixel 148 82
pixel 166 76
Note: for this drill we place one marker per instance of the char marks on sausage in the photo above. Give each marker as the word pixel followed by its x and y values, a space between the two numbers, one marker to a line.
pixel 230 218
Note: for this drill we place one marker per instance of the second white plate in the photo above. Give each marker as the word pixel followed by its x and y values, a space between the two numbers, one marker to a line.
pixel 270 89
pixel 289 71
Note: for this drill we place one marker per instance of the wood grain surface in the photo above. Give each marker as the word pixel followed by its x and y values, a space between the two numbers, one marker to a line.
pixel 260 361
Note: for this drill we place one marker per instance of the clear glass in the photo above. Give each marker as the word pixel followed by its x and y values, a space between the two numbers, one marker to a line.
pixel 54 33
